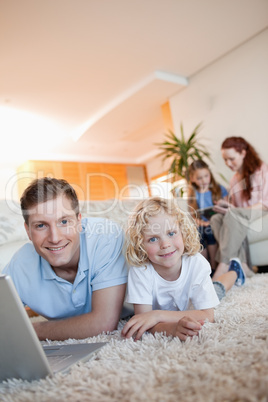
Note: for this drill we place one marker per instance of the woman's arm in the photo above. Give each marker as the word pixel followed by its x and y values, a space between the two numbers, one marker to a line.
pixel 146 319
pixel 259 190
pixel 259 205
pixel 222 206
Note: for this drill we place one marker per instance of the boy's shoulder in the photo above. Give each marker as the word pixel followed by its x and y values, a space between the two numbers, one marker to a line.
pixel 196 263
pixel 194 258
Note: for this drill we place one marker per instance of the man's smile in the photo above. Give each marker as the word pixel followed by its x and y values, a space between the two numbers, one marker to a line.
pixel 57 248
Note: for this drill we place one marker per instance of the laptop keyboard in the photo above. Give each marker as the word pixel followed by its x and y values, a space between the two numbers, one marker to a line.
pixel 56 359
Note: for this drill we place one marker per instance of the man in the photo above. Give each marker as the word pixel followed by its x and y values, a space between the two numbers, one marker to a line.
pixel 73 272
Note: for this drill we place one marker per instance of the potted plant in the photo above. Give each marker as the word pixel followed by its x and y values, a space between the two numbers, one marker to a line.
pixel 183 151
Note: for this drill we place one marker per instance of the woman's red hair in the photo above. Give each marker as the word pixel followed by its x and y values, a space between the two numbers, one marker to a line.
pixel 252 161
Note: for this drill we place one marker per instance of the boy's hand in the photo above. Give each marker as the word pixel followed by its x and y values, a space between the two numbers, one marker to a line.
pixel 143 322
pixel 186 326
pixel 139 324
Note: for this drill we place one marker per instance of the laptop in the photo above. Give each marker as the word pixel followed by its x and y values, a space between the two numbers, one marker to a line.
pixel 22 355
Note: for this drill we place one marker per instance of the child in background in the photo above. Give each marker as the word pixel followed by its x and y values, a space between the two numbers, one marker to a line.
pixel 204 192
pixel 167 272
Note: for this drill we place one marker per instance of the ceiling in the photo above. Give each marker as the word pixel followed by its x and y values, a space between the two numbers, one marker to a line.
pixel 92 74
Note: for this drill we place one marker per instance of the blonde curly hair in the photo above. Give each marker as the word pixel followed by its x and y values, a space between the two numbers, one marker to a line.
pixel 139 219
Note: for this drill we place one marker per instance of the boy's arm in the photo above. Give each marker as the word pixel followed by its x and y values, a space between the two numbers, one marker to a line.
pixel 146 319
pixel 106 308
pixel 184 328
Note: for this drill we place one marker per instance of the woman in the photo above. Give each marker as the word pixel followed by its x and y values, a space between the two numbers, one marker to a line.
pixel 248 200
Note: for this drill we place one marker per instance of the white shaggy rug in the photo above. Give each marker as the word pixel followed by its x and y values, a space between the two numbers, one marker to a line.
pixel 227 362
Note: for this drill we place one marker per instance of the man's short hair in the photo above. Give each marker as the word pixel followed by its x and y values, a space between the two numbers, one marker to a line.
pixel 45 189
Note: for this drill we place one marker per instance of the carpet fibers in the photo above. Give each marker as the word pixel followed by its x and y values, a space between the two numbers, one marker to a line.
pixel 228 361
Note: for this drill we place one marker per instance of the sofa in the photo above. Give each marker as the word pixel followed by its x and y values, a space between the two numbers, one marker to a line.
pixel 13 234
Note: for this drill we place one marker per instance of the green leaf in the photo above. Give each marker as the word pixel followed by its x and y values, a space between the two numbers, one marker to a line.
pixel 182 133
pixel 182 151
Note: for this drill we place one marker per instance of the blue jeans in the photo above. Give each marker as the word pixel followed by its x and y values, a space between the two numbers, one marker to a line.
pixel 206 236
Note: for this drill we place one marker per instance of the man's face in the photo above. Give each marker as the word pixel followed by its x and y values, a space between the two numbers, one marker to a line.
pixel 54 229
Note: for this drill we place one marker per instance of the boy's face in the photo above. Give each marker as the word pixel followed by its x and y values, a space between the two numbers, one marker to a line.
pixel 164 245
pixel 54 229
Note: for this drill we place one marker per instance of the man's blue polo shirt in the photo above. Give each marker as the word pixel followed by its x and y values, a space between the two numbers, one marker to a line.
pixel 101 265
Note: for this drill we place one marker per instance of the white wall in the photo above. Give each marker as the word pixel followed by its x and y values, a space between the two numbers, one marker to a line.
pixel 230 97
pixel 8 183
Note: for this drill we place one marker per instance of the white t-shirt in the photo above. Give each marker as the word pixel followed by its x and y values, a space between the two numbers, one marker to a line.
pixel 194 286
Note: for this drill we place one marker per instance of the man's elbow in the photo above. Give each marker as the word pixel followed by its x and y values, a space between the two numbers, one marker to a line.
pixel 108 325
